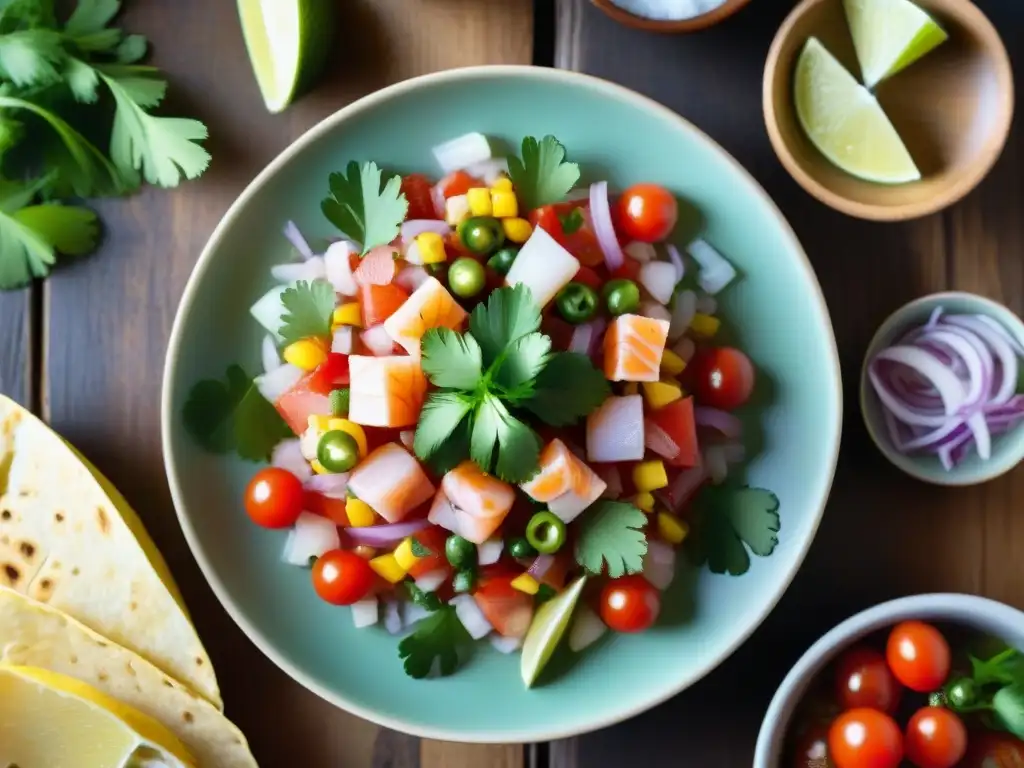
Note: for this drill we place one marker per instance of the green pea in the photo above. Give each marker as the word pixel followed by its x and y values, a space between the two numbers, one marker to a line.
pixel 481 234
pixel 545 532
pixel 337 451
pixel 520 547
pixel 464 580
pixel 621 296
pixel 501 262
pixel 460 552
pixel 577 302
pixel 466 277
pixel 339 402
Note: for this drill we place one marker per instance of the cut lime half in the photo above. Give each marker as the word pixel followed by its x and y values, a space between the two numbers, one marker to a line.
pixel 845 122
pixel 546 630
pixel 889 35
pixel 287 42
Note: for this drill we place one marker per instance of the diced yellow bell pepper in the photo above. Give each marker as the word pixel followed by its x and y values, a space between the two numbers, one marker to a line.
pixel 319 423
pixel 404 556
pixel 644 501
pixel 387 568
pixel 479 199
pixel 365 552
pixel 431 247
pixel 671 363
pixel 660 393
pixel 525 583
pixel 359 513
pixel 319 468
pixel 502 184
pixel 649 475
pixel 348 314
pixel 306 354
pixel 350 428
pixel 504 204
pixel 631 388
pixel 517 230
pixel 671 528
pixel 456 209
pixel 705 325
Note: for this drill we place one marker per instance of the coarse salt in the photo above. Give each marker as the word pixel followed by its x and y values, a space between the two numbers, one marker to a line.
pixel 668 10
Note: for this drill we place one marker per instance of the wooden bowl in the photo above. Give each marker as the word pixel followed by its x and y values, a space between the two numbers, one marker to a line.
pixel 705 20
pixel 953 109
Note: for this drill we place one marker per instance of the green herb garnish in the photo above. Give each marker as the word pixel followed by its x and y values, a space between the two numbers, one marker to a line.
pixel 436 637
pixel 542 177
pixel 572 221
pixel 728 521
pixel 611 533
pixel 994 690
pixel 421 597
pixel 361 209
pixel 308 309
pixel 419 549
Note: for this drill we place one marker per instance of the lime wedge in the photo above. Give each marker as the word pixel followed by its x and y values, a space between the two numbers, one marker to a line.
pixel 889 35
pixel 287 42
pixel 846 123
pixel 546 630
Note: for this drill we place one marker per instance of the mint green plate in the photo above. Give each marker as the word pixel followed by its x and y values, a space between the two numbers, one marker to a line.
pixel 776 313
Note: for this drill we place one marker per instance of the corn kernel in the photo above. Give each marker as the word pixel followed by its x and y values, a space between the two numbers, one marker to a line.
pixel 671 363
pixel 319 468
pixel 631 388
pixel 649 476
pixel 671 528
pixel 504 205
pixel 348 314
pixel 365 552
pixel 306 354
pixel 456 209
pixel 387 568
pixel 350 428
pixel 704 325
pixel 517 230
pixel 359 513
pixel 525 583
pixel 479 199
pixel 404 556
pixel 644 501
pixel 502 184
pixel 660 393
pixel 431 246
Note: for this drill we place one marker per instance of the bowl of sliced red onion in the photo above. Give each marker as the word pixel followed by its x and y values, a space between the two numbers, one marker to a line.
pixel 940 392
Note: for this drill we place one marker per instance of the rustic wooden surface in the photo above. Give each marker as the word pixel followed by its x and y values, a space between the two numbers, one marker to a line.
pixel 883 535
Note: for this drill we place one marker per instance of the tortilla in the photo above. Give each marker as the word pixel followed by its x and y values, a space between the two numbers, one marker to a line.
pixel 37 635
pixel 63 542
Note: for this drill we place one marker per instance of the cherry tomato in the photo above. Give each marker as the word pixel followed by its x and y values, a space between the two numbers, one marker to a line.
pixel 434 539
pixel 273 498
pixel 918 655
pixel 935 738
pixel 812 749
pixel 630 604
pixel 863 679
pixel 721 377
pixel 416 189
pixel 332 373
pixel 990 749
pixel 647 212
pixel 865 738
pixel 458 183
pixel 342 578
pixel 588 276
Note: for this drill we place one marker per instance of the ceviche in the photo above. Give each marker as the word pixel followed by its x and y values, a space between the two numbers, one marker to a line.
pixel 489 405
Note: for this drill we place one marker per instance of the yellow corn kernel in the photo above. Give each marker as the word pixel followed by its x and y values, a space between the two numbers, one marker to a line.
pixel 350 428
pixel 649 476
pixel 503 204
pixel 318 423
pixel 319 468
pixel 660 393
pixel 502 184
pixel 704 325
pixel 359 513
pixel 631 388
pixel 365 552
pixel 644 501
pixel 404 556
pixel 479 199
pixel 306 354
pixel 431 246
pixel 348 314
pixel 456 209
pixel 387 568
pixel 525 583
pixel 671 528
pixel 517 230
pixel 671 363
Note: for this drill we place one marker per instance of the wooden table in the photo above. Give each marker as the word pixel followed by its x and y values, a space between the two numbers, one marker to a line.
pixel 86 349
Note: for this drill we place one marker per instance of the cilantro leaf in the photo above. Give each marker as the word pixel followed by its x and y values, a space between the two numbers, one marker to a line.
pixel 521 363
pixel 726 519
pixel 419 549
pixel 1005 668
pixel 567 389
pixel 233 415
pixel 452 451
pixel 572 221
pixel 441 415
pixel 30 57
pixel 308 308
pixel 360 209
pixel 508 315
pixel 1008 704
pixel 450 359
pixel 541 177
pixel 496 431
pixel 421 597
pixel 131 49
pixel 436 637
pixel 91 16
pixel 81 79
pixel 611 532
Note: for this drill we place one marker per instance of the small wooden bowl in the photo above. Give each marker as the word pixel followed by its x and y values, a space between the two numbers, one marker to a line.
pixel 705 20
pixel 953 109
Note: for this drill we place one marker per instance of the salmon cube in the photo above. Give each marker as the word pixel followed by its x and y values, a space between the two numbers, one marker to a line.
pixel 391 481
pixel 385 391
pixel 430 306
pixel 633 347
pixel 472 503
pixel 566 484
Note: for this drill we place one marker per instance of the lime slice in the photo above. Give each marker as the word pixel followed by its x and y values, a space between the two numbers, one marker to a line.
pixel 52 720
pixel 546 630
pixel 287 42
pixel 889 35
pixel 845 122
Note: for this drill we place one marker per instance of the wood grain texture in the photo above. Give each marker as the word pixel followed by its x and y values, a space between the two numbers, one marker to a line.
pixel 107 318
pixel 883 535
pixel 16 345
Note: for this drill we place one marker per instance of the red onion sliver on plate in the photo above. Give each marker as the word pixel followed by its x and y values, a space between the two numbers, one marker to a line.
pixel 312 269
pixel 604 229
pixel 677 260
pixel 581 337
pixel 379 535
pixel 721 421
pixel 541 565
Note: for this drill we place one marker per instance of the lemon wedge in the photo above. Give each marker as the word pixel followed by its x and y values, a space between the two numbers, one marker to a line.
pixel 546 630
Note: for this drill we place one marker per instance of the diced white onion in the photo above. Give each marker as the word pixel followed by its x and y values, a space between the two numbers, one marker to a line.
pixel 311 537
pixel 365 613
pixel 655 311
pixel 659 278
pixel 715 271
pixel 338 268
pixel 471 616
pixel 430 581
pixel 615 431
pixel 287 454
pixel 462 151
pixel 456 208
pixel 341 342
pixel 489 171
pixel 544 266
pixel 309 270
pixel 268 309
pixel 393 617
pixel 642 252
pixel 275 383
pixel 378 340
pixel 412 254
pixel 489 552
pixel 411 613
pixel 587 628
pixel 268 351
pixel 505 644
pixel 412 278
pixel 684 307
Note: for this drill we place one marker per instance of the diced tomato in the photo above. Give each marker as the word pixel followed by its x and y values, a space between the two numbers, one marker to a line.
pixel 433 538
pixel 379 302
pixel 332 509
pixel 453 247
pixel 559 330
pixel 555 575
pixel 330 374
pixel 589 277
pixel 300 402
pixel 416 188
pixel 378 436
pixel 507 609
pixel 676 419
pixel 458 183
pixel 581 243
pixel 630 270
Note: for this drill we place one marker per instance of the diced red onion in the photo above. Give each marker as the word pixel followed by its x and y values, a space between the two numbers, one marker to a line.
pixel 430 581
pixel 640 252
pixel 715 271
pixel 677 260
pixel 586 629
pixel 659 564
pixel 378 340
pixel 269 353
pixel 505 644
pixel 685 348
pixel 612 480
pixel 718 420
pixel 659 278
pixel 407 437
pixel 413 227
pixel 541 565
pixel 333 486
pixel 382 535
pixel 275 383
pixel 341 340
pixel 717 468
pixel 658 440
pixel 411 278
pixel 581 336
pixel 287 455
pixel 655 311
pixel 338 268
pixel 312 269
pixel 682 489
pixel 471 616
pixel 684 307
pixel 366 613
pixel 707 305
pixel 311 537
pixel 604 229
pixel 489 552
pixel 294 236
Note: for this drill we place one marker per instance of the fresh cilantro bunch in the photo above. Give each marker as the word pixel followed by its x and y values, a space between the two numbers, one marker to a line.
pixel 51 74
pixel 541 176
pixel 726 518
pixel 361 209
pixel 994 689
pixel 436 637
pixel 502 366
pixel 611 534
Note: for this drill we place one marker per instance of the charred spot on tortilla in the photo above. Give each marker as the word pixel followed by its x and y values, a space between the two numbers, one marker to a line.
pixel 59 517
pixel 75 571
pixel 199 661
pixel 188 717
pixel 168 683
pixel 27 549
pixel 131 669
pixel 6 515
pixel 103 520
pixel 73 659
pixel 102 676
pixel 133 606
pixel 5 539
pixel 12 574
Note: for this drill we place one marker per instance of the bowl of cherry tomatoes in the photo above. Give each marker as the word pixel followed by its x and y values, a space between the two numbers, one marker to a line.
pixel 928 681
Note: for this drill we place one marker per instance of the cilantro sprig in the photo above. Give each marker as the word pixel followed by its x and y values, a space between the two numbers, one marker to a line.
pixel 308 307
pixel 994 690
pixel 611 536
pixel 361 209
pixel 436 637
pixel 730 520
pixel 542 176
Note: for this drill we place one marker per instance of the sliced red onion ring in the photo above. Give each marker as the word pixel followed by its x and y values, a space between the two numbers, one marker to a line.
pixel 541 565
pixel 677 260
pixel 581 337
pixel 380 535
pixel 288 455
pixel 332 486
pixel 294 236
pixel 721 421
pixel 604 229
pixel 414 227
